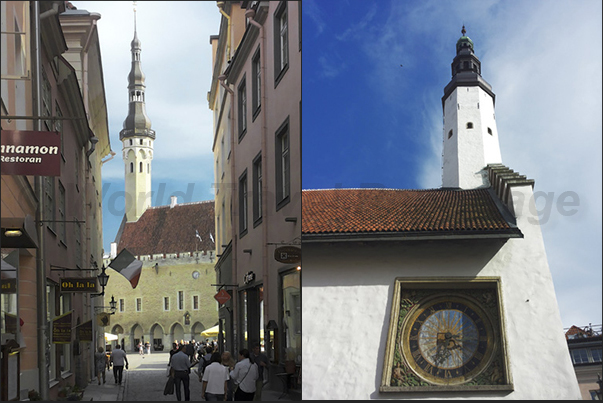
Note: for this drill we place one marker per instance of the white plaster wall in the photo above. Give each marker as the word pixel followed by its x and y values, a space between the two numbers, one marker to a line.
pixel 468 151
pixel 137 184
pixel 347 296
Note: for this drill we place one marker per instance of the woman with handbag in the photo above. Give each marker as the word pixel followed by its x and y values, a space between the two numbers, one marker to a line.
pixel 245 374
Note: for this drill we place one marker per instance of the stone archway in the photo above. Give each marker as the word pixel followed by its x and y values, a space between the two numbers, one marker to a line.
pixel 196 330
pixel 136 336
pixel 177 333
pixel 158 340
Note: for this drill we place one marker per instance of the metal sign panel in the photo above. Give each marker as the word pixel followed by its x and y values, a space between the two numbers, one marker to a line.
pixel 79 284
pixel 26 152
pixel 288 254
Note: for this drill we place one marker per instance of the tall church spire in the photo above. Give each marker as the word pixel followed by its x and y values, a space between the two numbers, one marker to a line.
pixel 137 138
pixel 470 134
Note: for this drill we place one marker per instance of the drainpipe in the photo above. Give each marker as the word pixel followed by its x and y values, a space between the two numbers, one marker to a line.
pixel 220 5
pixel 85 66
pixel 43 360
pixel 48 13
pixel 250 14
pixel 234 196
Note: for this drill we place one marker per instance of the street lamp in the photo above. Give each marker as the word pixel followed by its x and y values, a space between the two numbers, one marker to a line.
pixel 112 306
pixel 103 278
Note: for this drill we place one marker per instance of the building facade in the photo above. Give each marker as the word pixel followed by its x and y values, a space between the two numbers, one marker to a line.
pixel 256 99
pixel 51 85
pixel 585 347
pixel 174 299
pixel 449 288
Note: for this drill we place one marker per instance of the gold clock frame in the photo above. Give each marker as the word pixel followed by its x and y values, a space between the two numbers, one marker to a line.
pixel 411 296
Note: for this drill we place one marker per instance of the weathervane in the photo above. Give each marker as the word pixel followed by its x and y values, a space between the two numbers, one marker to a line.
pixel 462 31
pixel 134 7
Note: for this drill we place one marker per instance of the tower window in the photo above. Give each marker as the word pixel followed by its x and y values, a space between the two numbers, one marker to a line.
pixel 469 125
pixel 148 168
pixel 141 142
pixel 140 167
pixel 130 141
pixel 450 133
pixel 131 167
pixel 489 131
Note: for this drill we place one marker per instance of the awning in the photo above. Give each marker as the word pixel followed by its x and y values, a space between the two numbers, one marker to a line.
pixel 211 332
pixel 26 226
pixel 109 336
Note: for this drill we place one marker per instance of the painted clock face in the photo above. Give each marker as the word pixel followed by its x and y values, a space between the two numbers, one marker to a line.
pixel 195 274
pixel 447 340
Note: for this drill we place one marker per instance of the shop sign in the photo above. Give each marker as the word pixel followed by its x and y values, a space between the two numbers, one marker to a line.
pixel 61 329
pixel 78 284
pixel 288 254
pixel 84 331
pixel 103 319
pixel 26 152
pixel 222 296
pixel 9 286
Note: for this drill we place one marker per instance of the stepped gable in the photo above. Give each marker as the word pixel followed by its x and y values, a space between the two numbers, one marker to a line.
pixel 171 230
pixel 441 211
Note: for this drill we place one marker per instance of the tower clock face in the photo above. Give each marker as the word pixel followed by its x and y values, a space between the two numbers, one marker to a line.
pixel 447 340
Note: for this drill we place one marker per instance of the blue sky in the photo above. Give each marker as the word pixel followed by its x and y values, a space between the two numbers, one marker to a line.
pixel 368 122
pixel 176 59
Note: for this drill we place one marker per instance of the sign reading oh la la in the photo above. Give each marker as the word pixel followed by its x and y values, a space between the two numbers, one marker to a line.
pixel 78 284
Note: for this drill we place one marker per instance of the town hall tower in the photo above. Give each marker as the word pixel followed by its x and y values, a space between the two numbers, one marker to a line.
pixel 137 138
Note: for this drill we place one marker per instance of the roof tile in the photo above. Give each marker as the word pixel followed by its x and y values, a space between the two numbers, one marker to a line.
pixel 170 230
pixel 395 210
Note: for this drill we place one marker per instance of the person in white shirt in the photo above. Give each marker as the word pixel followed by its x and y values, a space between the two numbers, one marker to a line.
pixel 244 375
pixel 118 357
pixel 215 380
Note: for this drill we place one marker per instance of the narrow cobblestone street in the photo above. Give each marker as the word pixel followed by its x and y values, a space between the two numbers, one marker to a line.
pixel 146 378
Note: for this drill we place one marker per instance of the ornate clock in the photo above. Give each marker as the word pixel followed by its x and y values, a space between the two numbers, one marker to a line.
pixel 445 338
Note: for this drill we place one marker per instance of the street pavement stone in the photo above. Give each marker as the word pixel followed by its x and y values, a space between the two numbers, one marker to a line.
pixel 146 378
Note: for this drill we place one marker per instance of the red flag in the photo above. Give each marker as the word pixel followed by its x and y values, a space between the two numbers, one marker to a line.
pixel 128 266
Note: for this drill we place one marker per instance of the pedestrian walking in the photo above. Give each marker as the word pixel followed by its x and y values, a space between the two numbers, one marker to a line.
pixel 182 368
pixel 262 362
pixel 118 357
pixel 140 350
pixel 229 363
pixel 244 375
pixel 215 380
pixel 100 363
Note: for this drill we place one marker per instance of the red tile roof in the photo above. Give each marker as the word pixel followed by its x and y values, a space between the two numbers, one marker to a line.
pixel 347 211
pixel 170 230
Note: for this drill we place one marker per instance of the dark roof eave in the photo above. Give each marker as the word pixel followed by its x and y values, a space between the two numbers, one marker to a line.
pixel 411 235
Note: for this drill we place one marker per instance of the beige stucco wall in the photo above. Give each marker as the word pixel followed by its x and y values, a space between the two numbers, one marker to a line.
pixel 174 275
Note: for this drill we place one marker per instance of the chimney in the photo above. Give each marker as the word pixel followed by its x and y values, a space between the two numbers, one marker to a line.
pixel 174 201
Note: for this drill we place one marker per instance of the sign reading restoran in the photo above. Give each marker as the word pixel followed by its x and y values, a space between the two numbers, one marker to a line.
pixel 31 153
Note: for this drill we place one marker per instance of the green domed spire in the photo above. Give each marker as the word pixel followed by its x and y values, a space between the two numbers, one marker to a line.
pixel 464 41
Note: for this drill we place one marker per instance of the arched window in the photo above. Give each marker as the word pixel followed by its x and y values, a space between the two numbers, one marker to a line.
pixel 131 167
pixel 450 133
pixel 130 141
pixel 140 167
pixel 490 131
pixel 469 125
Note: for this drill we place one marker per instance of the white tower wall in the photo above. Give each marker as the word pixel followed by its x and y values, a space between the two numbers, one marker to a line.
pixel 468 150
pixel 137 183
